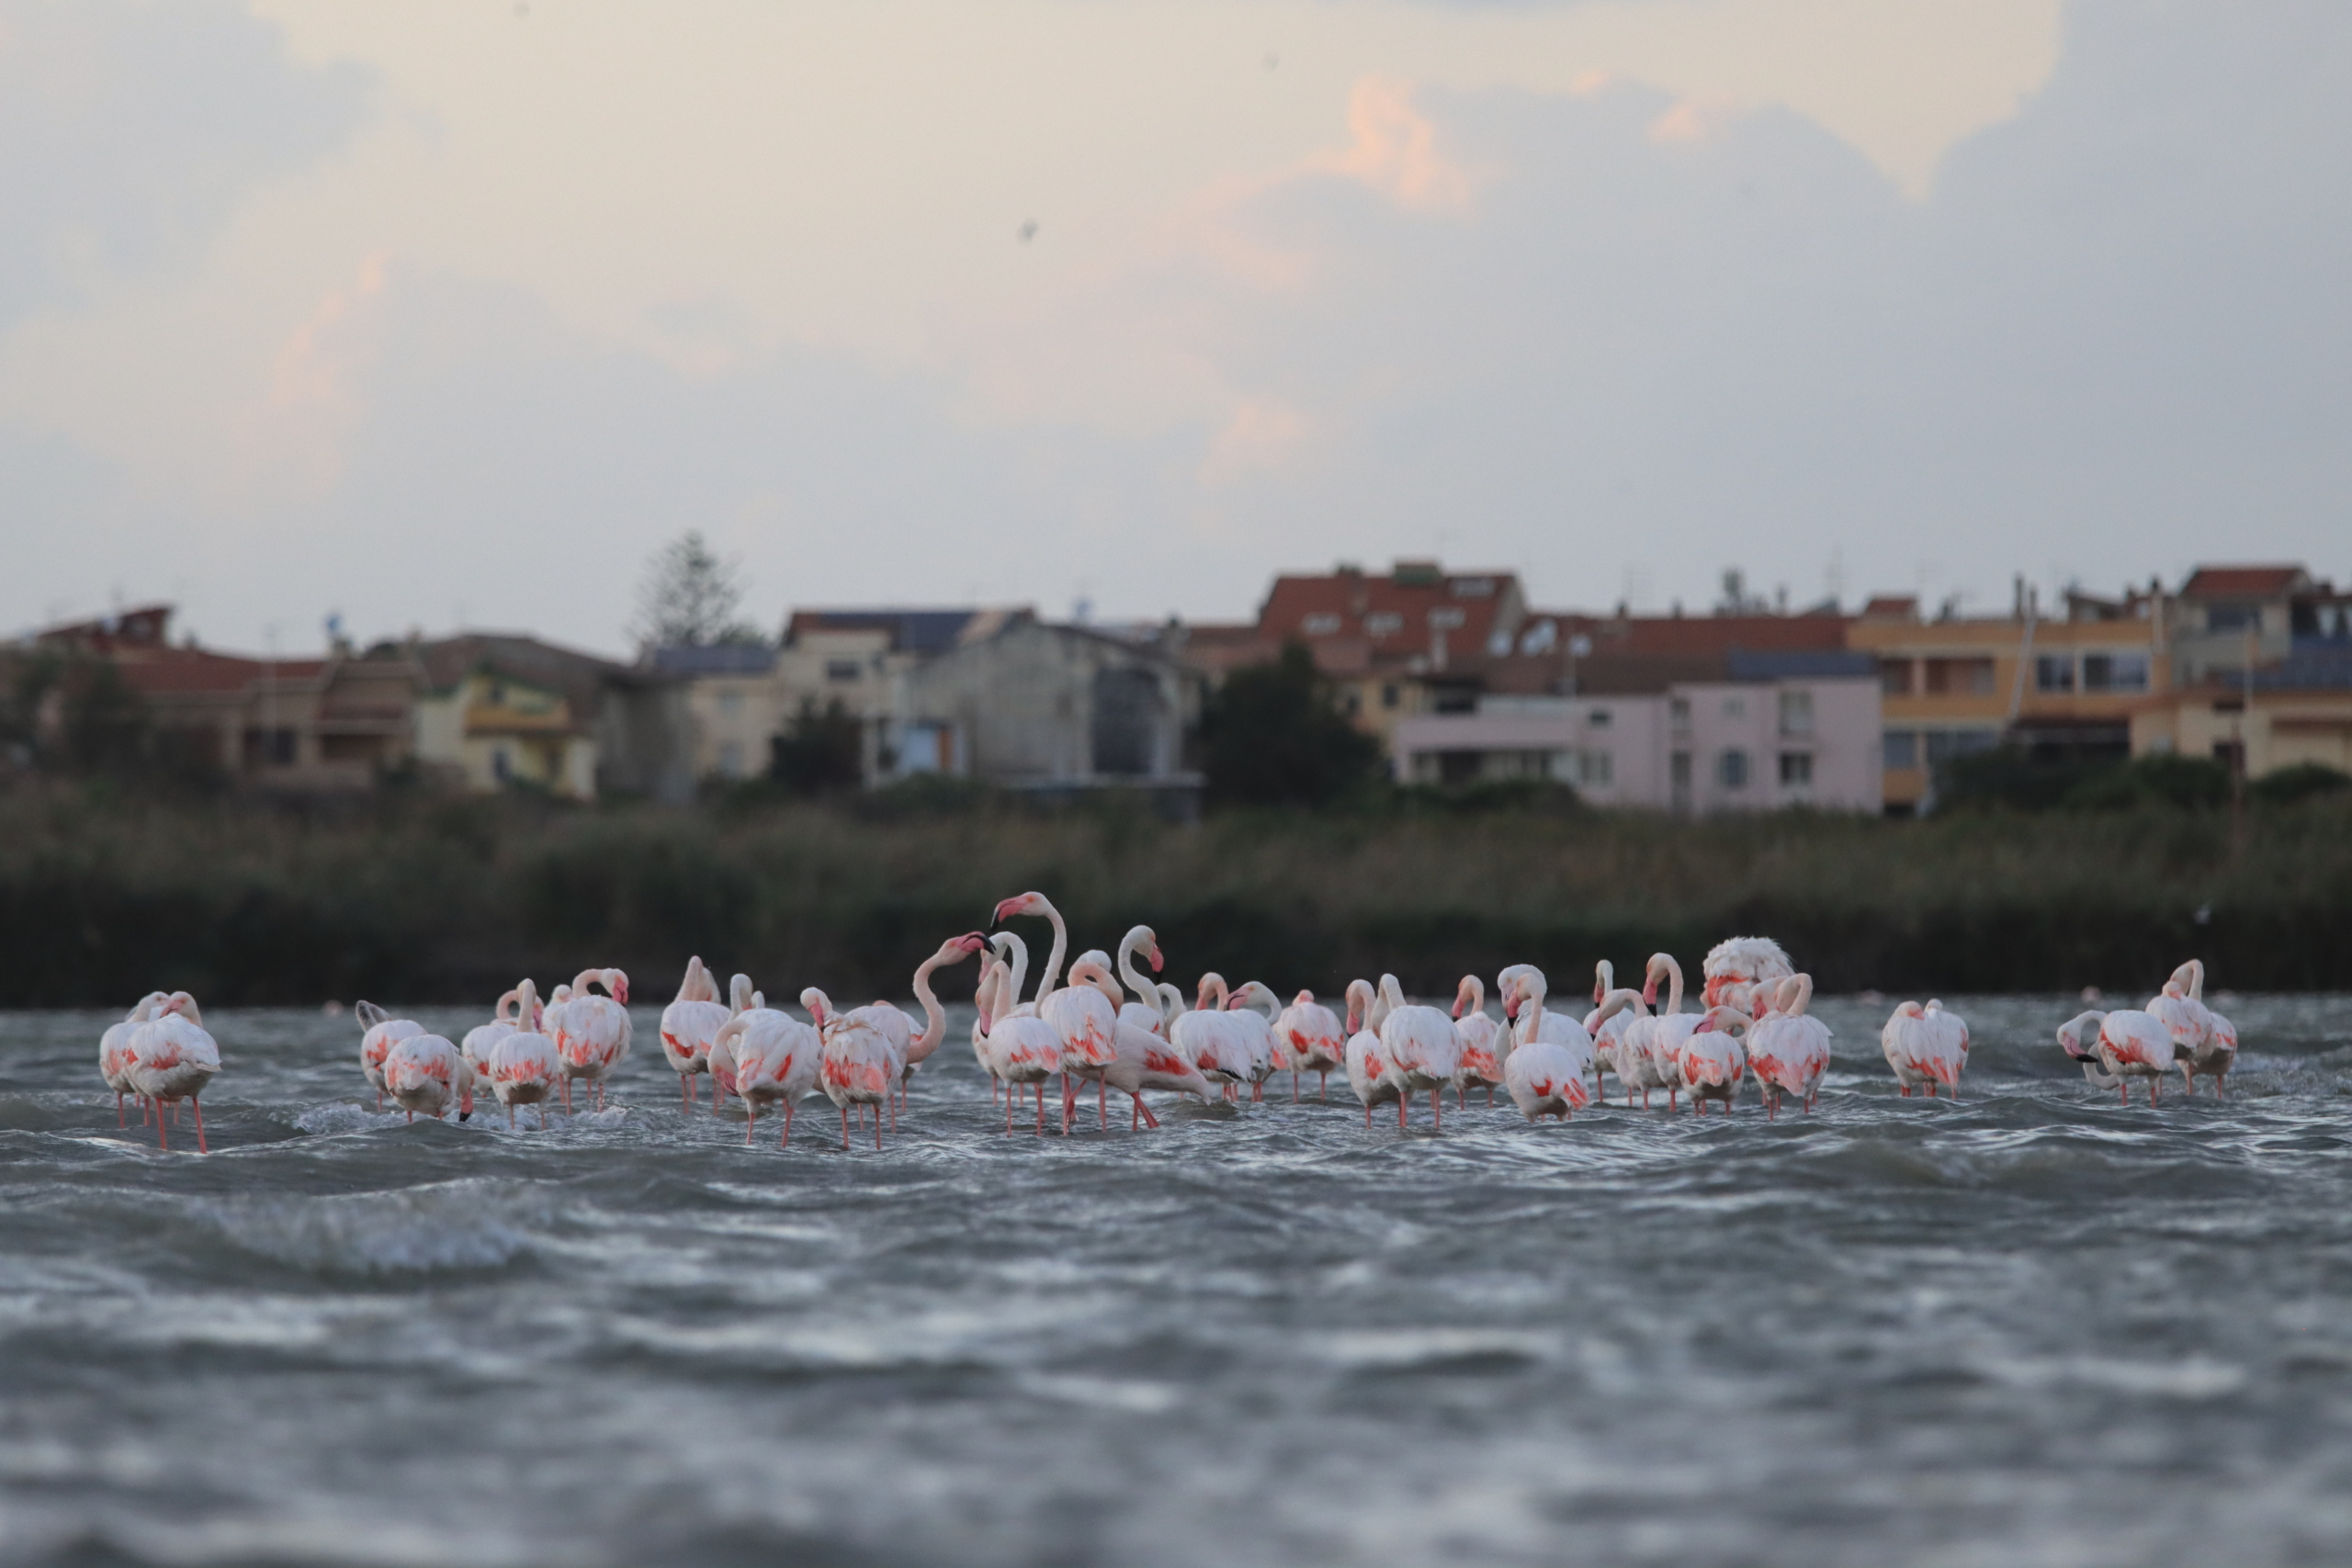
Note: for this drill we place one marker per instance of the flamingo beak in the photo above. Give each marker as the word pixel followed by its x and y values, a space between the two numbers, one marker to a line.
pixel 1459 1003
pixel 1649 992
pixel 1008 908
pixel 1155 958
pixel 1510 1006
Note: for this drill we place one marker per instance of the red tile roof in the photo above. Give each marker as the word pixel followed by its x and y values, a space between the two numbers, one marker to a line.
pixel 1892 607
pixel 194 672
pixel 1662 635
pixel 2244 581
pixel 1410 613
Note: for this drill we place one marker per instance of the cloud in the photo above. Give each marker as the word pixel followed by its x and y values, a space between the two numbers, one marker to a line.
pixel 1394 150
pixel 1263 434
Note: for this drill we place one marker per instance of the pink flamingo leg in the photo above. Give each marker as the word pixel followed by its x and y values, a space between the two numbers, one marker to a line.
pixel 1437 1109
pixel 878 1131
pixel 786 1139
pixel 1102 1102
pixel 197 1106
pixel 162 1133
pixel 845 1127
pixel 752 1121
pixel 1041 1111
pixel 1325 1076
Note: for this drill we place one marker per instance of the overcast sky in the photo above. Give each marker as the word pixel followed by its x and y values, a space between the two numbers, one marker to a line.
pixel 452 311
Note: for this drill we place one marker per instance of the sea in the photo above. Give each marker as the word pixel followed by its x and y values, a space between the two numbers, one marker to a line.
pixel 2035 1326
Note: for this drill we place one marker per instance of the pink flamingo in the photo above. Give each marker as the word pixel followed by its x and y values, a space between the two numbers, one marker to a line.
pixel 687 1024
pixel 1084 1021
pixel 475 1047
pixel 427 1073
pixel 592 1031
pixel 1737 966
pixel 1211 1039
pixel 2124 1044
pixel 1019 1049
pixel 1480 1037
pixel 1370 1073
pixel 1714 1059
pixel 1926 1046
pixel 1316 1042
pixel 114 1053
pixel 1662 1037
pixel 171 1058
pixel 379 1031
pixel 1422 1049
pixel 1142 1060
pixel 720 1061
pixel 777 1059
pixel 2205 1045
pixel 1254 1030
pixel 525 1067
pixel 1546 1075
pixel 1788 1049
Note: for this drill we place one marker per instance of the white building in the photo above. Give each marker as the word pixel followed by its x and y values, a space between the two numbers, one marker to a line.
pixel 1731 732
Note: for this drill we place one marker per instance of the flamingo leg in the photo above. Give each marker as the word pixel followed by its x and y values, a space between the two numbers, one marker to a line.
pixel 118 1120
pixel 1041 1111
pixel 753 1107
pixel 162 1133
pixel 1402 1101
pixel 861 1116
pixel 1437 1109
pixel 1294 1086
pixel 787 1124
pixel 1326 1086
pixel 1102 1102
pixel 197 1106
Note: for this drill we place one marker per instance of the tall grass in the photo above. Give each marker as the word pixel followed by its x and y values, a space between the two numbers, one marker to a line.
pixel 103 898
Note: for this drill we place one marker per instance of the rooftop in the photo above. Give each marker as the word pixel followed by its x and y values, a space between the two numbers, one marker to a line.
pixel 2244 582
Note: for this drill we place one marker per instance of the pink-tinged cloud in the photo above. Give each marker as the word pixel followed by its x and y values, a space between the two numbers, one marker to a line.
pixel 293 437
pixel 1692 120
pixel 1263 434
pixel 1394 150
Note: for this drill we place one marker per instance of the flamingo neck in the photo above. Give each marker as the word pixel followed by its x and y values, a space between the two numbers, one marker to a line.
pixel 934 1017
pixel 1053 959
pixel 1673 987
pixel 1132 973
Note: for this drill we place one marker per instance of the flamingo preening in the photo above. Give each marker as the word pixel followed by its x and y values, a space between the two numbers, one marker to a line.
pixel 1788 1049
pixel 687 1025
pixel 1926 1046
pixel 1482 1042
pixel 427 1073
pixel 171 1058
pixel 592 1031
pixel 380 1030
pixel 1311 1035
pixel 114 1053
pixel 525 1067
pixel 2116 1047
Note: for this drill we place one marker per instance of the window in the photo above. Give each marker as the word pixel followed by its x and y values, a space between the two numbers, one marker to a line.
pixel 1895 677
pixel 841 669
pixel 2115 671
pixel 1899 749
pixel 1352 704
pixel 1541 638
pixel 1960 677
pixel 1677 712
pixel 2233 618
pixel 502 765
pixel 731 758
pixel 1796 712
pixel 1596 768
pixel 1597 719
pixel 1731 769
pixel 1473 587
pixel 2054 673
pixel 1389 696
pixel 1735 707
pixel 1678 770
pixel 1943 745
pixel 497 696
pixel 1382 623
pixel 730 703
pixel 1447 618
pixel 1796 770
pixel 1321 624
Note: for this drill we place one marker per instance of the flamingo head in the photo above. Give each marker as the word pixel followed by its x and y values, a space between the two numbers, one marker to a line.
pixel 1728 1020
pixel 1020 904
pixel 1154 956
pixel 1467 994
pixel 2070 1034
pixel 958 948
pixel 1910 1010
pixel 819 1004
pixel 181 1003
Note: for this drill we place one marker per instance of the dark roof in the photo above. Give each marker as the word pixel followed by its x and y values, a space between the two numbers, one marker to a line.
pixel 1892 607
pixel 1722 634
pixel 2244 581
pixel 725 659
pixel 911 631
pixel 577 676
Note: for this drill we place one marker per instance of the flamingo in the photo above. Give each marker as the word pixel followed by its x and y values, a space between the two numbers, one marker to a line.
pixel 1788 1048
pixel 1367 1059
pixel 1607 1025
pixel 475 1046
pixel 114 1053
pixel 2126 1043
pixel 1567 1038
pixel 1480 1035
pixel 1546 1076
pixel 380 1029
pixel 592 1031
pixel 171 1058
pixel 830 1020
pixel 1421 1047
pixel 1145 1013
pixel 425 1073
pixel 1143 1060
pixel 687 1024
pixel 1314 1042
pixel 1210 1038
pixel 2205 1045
pixel 1713 1062
pixel 1083 1018
pixel 525 1067
pixel 777 1057
pixel 921 1046
pixel 1019 1049
pixel 720 1061
pixel 857 1064
pixel 1926 1046
pixel 1735 966
pixel 1255 1031
pixel 1661 1038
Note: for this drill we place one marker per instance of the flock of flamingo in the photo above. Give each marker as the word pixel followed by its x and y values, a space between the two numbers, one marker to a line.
pixel 1113 1026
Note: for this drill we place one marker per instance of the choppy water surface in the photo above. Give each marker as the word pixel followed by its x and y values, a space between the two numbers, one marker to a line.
pixel 2033 1328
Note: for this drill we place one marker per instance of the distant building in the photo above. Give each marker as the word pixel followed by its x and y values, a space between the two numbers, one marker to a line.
pixel 1699 730
pixel 734 706
pixel 329 722
pixel 864 660
pixel 502 710
pixel 2059 686
pixel 2228 616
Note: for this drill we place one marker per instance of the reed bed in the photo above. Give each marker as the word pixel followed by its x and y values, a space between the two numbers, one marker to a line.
pixel 102 898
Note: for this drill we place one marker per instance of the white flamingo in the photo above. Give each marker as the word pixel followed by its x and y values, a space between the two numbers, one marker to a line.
pixel 475 1047
pixel 592 1031
pixel 1211 1039
pixel 1926 1046
pixel 1081 1016
pixel 1019 1049
pixel 427 1073
pixel 1142 1060
pixel 114 1053
pixel 1254 1029
pixel 1663 1036
pixel 1788 1048
pixel 2205 1045
pixel 2121 1045
pixel 1314 1042
pixel 1523 1004
pixel 1547 1077
pixel 171 1059
pixel 525 1067
pixel 720 1061
pixel 1483 1041
pixel 857 1064
pixel 379 1031
pixel 687 1025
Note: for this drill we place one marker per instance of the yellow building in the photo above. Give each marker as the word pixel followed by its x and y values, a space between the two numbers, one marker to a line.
pixel 2070 686
pixel 2297 711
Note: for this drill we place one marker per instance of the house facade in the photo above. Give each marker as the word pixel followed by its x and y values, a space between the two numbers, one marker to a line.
pixel 503 710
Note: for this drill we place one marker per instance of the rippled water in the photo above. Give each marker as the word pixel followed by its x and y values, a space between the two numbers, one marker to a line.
pixel 2032 1328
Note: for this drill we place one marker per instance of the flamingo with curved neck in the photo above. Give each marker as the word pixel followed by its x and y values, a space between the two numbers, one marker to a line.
pixel 1038 904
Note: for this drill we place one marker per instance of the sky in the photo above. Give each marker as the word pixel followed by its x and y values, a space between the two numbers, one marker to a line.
pixel 452 312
